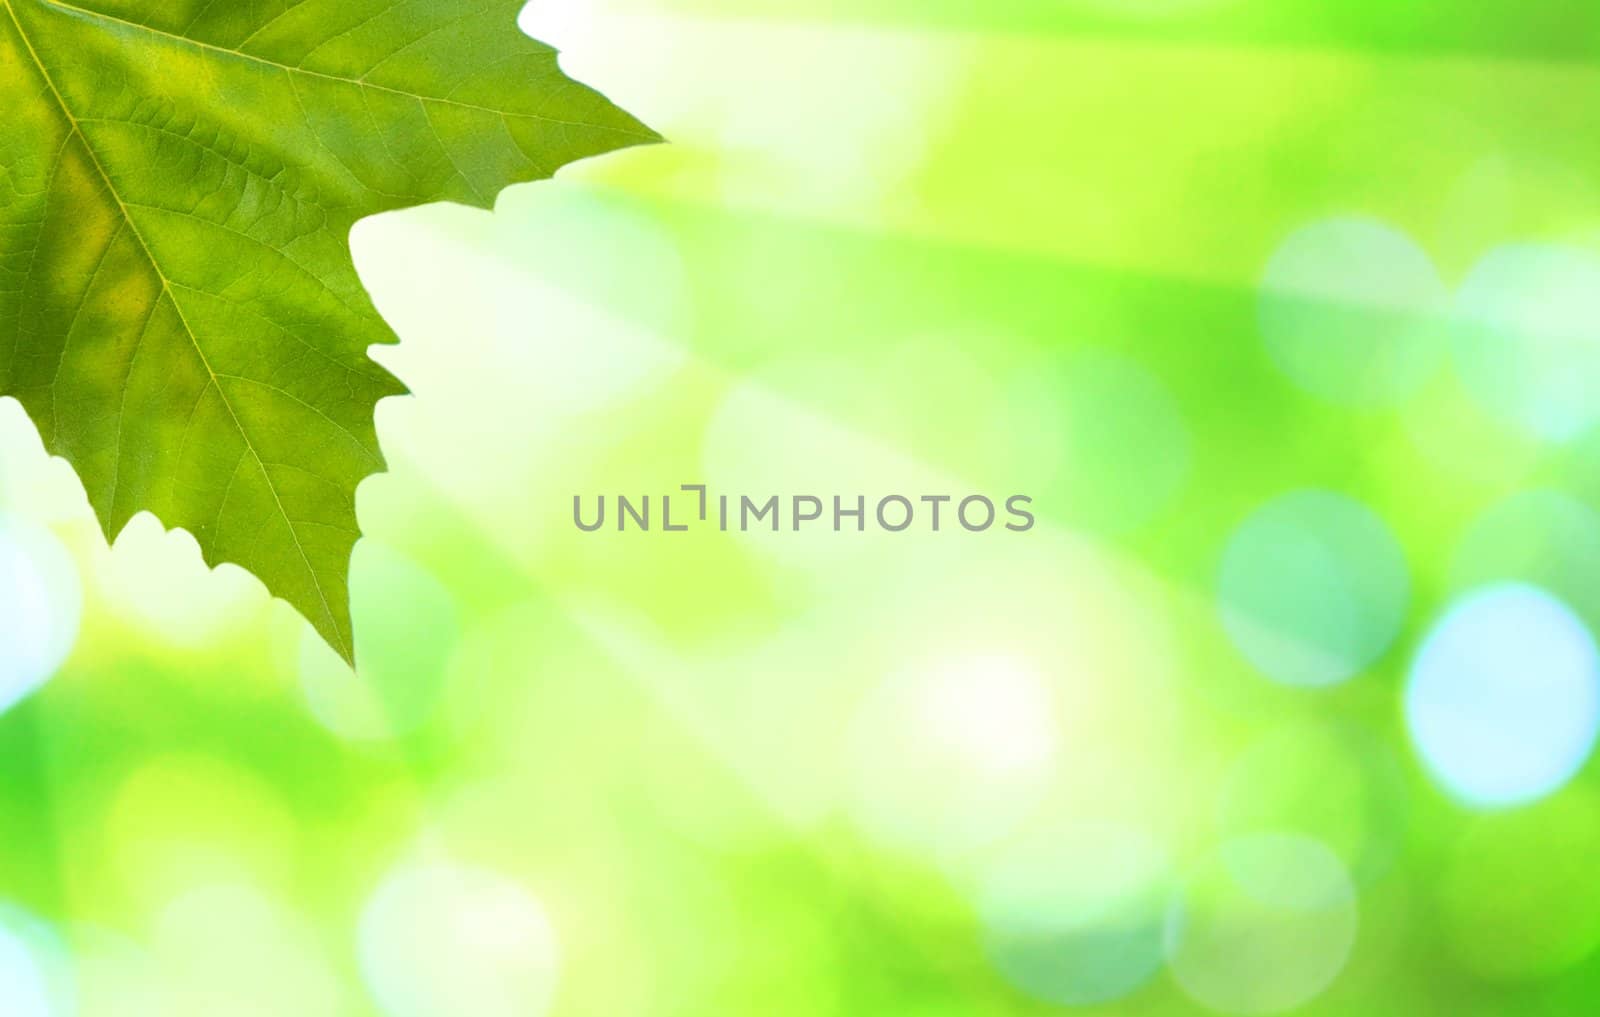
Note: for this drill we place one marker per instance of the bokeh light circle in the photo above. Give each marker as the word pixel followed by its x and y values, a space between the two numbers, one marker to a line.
pixel 1352 310
pixel 1074 915
pixel 1526 337
pixel 1313 588
pixel 1503 699
pixel 439 940
pixel 1263 925
pixel 27 988
pixel 40 603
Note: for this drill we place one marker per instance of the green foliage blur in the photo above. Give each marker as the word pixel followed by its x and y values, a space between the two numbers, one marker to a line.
pixel 1286 315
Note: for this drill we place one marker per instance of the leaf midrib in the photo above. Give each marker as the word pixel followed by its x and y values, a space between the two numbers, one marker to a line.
pixel 167 290
pixel 360 82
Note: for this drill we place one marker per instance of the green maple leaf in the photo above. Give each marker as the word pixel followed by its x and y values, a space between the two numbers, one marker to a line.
pixel 179 312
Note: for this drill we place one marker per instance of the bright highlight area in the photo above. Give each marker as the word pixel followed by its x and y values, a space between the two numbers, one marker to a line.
pixel 40 600
pixel 978 728
pixel 1286 317
pixel 25 984
pixel 438 939
pixel 1503 700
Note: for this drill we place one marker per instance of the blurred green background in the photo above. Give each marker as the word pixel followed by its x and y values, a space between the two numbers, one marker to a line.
pixel 1287 315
